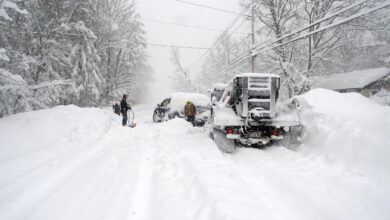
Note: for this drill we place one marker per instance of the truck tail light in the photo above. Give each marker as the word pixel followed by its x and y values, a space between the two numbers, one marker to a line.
pixel 276 132
pixel 229 131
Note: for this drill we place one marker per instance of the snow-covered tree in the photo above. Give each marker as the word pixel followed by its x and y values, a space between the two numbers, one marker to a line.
pixel 226 50
pixel 83 52
pixel 14 94
pixel 121 46
pixel 316 50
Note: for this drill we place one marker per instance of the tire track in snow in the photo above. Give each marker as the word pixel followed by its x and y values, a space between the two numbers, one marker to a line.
pixel 103 185
pixel 38 162
pixel 171 180
pixel 39 187
pixel 288 177
pixel 173 171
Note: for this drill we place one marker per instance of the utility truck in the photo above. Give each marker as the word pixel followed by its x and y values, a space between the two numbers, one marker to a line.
pixel 247 113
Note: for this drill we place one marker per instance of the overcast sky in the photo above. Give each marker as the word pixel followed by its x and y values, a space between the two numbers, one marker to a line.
pixel 177 12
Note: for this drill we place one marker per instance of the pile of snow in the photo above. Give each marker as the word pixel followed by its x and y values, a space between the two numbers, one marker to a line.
pixel 38 130
pixel 382 97
pixel 179 99
pixel 347 130
pixel 73 163
pixel 226 116
pixel 41 149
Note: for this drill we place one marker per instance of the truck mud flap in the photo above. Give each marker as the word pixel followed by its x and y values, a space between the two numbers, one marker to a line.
pixel 224 144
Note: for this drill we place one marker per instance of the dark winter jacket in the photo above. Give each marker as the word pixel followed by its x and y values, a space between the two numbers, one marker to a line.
pixel 117 109
pixel 189 110
pixel 124 106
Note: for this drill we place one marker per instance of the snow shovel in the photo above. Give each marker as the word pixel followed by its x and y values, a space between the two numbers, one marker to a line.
pixel 131 123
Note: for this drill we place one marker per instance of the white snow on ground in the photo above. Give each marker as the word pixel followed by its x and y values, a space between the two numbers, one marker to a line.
pixel 347 129
pixel 73 163
pixel 382 97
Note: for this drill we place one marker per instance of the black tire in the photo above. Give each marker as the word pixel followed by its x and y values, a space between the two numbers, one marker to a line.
pixel 173 115
pixel 157 116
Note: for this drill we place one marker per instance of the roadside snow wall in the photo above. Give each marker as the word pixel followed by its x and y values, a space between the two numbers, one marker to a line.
pixel 347 130
pixel 57 129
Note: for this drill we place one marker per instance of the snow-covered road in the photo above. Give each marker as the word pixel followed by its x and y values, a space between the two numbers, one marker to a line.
pixel 73 163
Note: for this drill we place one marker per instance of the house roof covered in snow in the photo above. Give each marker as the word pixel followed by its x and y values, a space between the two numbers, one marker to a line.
pixel 352 80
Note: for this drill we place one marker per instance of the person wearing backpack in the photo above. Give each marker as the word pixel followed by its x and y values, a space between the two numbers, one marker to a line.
pixel 124 108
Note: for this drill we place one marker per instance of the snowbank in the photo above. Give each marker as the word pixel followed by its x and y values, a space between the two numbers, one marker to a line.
pixel 33 130
pixel 346 129
pixel 382 97
pixel 73 163
pixel 41 149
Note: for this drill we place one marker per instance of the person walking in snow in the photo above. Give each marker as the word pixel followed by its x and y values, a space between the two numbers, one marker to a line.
pixel 124 108
pixel 190 112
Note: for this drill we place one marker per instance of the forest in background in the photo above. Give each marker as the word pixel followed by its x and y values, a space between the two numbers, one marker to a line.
pixel 82 52
pixel 90 52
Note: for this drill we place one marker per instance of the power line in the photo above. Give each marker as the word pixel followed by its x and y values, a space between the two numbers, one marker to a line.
pixel 181 47
pixel 313 24
pixel 209 7
pixel 352 17
pixel 185 26
pixel 243 11
pixel 238 27
pixel 298 28
pixel 263 48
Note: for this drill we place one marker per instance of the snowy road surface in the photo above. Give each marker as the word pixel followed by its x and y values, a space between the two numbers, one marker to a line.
pixel 73 163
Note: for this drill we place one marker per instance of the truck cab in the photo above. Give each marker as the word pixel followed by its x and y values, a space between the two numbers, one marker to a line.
pixel 254 95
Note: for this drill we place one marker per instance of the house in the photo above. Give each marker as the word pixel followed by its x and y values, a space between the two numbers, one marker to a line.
pixel 367 82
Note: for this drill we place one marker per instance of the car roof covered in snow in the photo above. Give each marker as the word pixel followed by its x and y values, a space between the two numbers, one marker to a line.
pixel 352 80
pixel 257 75
pixel 179 99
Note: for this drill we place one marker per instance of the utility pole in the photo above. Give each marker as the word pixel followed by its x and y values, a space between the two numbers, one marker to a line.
pixel 253 37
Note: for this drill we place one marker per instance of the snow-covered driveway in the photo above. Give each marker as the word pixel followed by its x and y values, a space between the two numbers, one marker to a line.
pixel 73 163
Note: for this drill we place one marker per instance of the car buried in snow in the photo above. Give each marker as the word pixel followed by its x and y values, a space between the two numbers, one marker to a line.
pixel 173 107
